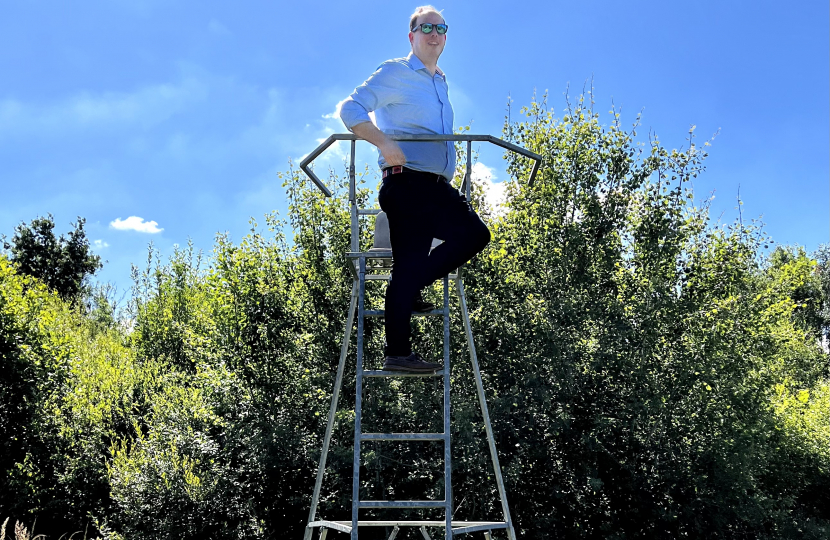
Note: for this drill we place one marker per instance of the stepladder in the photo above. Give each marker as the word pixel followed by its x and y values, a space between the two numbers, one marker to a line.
pixel 448 527
pixel 387 509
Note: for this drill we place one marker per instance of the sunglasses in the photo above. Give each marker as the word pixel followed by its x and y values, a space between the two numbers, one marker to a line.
pixel 426 28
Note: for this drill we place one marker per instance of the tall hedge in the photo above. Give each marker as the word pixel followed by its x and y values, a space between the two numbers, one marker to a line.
pixel 650 373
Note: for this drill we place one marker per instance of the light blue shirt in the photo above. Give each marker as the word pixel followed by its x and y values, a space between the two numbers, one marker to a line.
pixel 407 100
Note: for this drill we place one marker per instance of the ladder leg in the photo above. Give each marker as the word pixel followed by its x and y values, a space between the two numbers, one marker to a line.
pixel 338 382
pixel 447 453
pixel 323 533
pixel 482 401
pixel 361 276
pixel 394 533
pixel 424 533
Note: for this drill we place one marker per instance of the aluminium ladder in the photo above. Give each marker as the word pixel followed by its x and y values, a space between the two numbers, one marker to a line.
pixel 362 269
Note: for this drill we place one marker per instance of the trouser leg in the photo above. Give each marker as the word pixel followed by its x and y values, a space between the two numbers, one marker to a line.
pixel 420 210
pixel 463 232
pixel 402 200
pixel 407 278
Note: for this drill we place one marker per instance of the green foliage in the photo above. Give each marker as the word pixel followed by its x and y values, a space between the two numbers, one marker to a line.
pixel 35 358
pixel 641 345
pixel 63 263
pixel 649 374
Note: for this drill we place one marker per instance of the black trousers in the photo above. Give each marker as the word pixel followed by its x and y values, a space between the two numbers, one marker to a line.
pixel 420 207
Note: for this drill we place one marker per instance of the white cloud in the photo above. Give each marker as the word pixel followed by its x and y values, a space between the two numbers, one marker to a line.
pixel 336 113
pixel 146 107
pixel 100 244
pixel 135 223
pixel 493 191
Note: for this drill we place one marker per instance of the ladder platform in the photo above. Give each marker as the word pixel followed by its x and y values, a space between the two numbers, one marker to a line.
pixel 459 527
pixel 389 373
pixel 380 313
pixel 403 437
pixel 402 504
pixel 388 277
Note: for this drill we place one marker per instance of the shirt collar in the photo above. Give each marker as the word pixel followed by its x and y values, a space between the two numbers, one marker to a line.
pixel 416 64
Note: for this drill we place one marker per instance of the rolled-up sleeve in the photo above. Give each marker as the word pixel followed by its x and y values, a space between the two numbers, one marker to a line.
pixel 378 91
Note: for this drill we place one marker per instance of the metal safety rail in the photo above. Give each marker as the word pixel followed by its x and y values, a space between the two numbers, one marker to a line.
pixel 363 270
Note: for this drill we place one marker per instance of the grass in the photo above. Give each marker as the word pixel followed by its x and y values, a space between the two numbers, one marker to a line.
pixel 22 533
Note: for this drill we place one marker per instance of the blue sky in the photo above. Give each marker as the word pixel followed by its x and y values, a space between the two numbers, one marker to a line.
pixel 168 120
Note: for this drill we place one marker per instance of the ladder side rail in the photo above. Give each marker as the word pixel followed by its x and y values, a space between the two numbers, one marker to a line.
pixel 468 180
pixel 358 395
pixel 338 383
pixel 482 401
pixel 447 453
pixel 355 226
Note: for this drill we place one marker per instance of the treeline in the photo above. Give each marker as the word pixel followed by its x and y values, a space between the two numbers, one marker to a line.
pixel 650 374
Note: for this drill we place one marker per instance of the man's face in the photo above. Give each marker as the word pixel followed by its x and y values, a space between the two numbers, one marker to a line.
pixel 428 46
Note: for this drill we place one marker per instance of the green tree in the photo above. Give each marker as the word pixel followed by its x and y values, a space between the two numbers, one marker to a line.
pixel 63 263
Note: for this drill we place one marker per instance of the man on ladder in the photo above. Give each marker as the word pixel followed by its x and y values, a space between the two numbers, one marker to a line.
pixel 410 96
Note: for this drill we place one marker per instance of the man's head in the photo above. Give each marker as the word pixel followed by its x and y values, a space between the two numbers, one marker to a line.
pixel 427 47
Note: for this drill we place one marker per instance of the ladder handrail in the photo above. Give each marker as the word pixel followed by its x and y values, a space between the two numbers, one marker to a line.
pixel 305 163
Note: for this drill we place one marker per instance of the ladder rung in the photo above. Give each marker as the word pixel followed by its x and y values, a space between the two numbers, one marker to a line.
pixel 413 523
pixel 387 373
pixel 403 436
pixel 379 313
pixel 402 504
pixel 341 526
pixel 378 254
pixel 477 528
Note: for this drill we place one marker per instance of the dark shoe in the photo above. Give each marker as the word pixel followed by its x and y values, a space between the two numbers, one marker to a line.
pixel 413 362
pixel 421 306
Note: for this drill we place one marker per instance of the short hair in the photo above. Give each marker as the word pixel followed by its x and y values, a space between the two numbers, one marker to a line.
pixel 421 11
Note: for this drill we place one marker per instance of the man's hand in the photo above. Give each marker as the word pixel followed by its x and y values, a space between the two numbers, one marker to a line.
pixel 389 149
pixel 392 153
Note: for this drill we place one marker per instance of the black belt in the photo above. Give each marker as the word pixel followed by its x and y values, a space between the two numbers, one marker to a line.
pixel 398 169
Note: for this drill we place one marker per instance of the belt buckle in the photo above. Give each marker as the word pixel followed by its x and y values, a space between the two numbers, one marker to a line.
pixel 397 169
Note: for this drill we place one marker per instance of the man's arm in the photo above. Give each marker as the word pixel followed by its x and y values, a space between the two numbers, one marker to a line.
pixel 379 90
pixel 390 149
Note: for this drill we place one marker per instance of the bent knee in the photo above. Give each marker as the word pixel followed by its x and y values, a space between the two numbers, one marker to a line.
pixel 481 236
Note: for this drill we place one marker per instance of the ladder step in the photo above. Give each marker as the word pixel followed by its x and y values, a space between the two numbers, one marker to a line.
pixel 387 373
pixel 493 526
pixel 402 504
pixel 403 437
pixel 379 313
